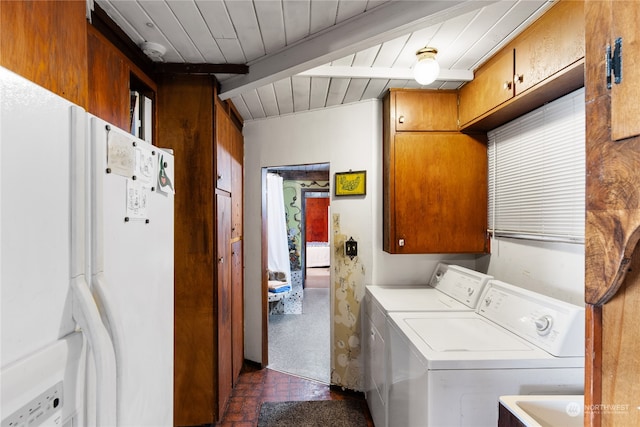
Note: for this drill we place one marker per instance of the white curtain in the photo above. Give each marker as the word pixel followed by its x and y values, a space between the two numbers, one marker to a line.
pixel 278 244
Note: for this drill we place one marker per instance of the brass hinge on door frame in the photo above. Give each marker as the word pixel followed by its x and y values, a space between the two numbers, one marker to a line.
pixel 613 62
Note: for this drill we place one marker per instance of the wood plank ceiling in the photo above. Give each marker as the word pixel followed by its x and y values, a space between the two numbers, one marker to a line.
pixel 310 54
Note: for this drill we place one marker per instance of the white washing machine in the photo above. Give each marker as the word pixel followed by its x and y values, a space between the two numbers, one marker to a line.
pixel 452 288
pixel 450 368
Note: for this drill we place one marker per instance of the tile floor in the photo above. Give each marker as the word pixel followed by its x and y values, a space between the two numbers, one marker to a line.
pixel 265 385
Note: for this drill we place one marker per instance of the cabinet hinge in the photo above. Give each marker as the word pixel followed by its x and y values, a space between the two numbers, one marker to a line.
pixel 613 62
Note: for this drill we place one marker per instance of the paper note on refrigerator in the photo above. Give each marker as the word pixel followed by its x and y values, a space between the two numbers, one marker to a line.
pixel 121 154
pixel 138 195
pixel 165 174
pixel 145 165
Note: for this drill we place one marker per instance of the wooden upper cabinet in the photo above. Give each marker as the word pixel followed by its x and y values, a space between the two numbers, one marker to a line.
pixel 46 42
pixel 552 43
pixel 109 96
pixel 440 193
pixel 112 77
pixel 224 146
pixel 420 110
pixel 543 63
pixel 237 176
pixel 492 85
pixel 434 180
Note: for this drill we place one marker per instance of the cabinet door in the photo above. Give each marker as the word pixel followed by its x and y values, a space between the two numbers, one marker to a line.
pixel 550 44
pixel 425 110
pixel 237 175
pixel 223 287
pixel 237 308
pixel 625 108
pixel 492 85
pixel 224 145
pixel 439 193
pixel 109 96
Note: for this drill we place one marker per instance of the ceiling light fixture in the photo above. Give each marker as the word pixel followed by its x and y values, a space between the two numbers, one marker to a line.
pixel 426 69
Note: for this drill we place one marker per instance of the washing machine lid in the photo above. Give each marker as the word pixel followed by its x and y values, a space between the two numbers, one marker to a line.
pixel 415 298
pixel 465 340
pixel 456 333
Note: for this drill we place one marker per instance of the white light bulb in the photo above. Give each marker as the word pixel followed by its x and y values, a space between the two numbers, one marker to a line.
pixel 426 71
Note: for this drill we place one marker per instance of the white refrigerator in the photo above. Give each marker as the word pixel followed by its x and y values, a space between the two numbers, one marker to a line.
pixel 86 267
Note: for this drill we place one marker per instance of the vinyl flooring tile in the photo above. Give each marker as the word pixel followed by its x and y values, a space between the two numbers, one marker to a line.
pixel 265 385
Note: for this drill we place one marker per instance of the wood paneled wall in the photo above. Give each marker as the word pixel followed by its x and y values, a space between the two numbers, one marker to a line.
pixel 46 42
pixel 185 125
pixel 108 96
pixel 52 44
pixel 110 79
pixel 612 255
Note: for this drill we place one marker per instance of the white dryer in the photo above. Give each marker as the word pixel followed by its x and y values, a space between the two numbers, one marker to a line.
pixel 451 288
pixel 450 368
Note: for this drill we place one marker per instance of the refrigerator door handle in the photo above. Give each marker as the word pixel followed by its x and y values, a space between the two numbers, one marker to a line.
pixel 85 313
pixel 114 328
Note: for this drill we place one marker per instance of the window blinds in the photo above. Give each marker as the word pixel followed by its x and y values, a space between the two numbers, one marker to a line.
pixel 537 173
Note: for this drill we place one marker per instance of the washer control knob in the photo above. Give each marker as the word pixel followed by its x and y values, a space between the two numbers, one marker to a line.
pixel 543 324
pixel 470 291
pixel 487 301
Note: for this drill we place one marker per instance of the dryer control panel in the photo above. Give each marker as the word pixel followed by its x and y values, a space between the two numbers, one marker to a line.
pixel 551 324
pixel 462 284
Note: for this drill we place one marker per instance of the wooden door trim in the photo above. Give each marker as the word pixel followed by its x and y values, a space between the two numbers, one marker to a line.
pixel 593 364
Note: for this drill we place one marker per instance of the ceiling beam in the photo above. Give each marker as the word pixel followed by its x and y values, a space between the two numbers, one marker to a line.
pixel 382 73
pixel 182 68
pixel 385 22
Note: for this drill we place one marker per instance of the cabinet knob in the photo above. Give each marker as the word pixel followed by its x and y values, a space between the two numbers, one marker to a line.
pixel 401 119
pixel 221 260
pixel 401 242
pixel 219 176
pixel 507 85
pixel 518 78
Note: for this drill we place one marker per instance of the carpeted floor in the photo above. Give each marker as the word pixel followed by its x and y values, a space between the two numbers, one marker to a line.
pixel 317 413
pixel 299 343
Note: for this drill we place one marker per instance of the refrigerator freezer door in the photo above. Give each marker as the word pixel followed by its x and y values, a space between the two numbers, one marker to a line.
pixel 132 269
pixel 35 216
pixel 42 234
pixel 46 387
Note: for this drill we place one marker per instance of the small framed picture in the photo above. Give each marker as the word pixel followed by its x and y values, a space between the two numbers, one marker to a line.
pixel 351 183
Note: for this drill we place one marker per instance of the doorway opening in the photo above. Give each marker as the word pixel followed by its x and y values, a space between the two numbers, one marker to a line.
pixel 298 321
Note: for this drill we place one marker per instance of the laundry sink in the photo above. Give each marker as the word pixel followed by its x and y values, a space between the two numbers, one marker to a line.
pixel 546 411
